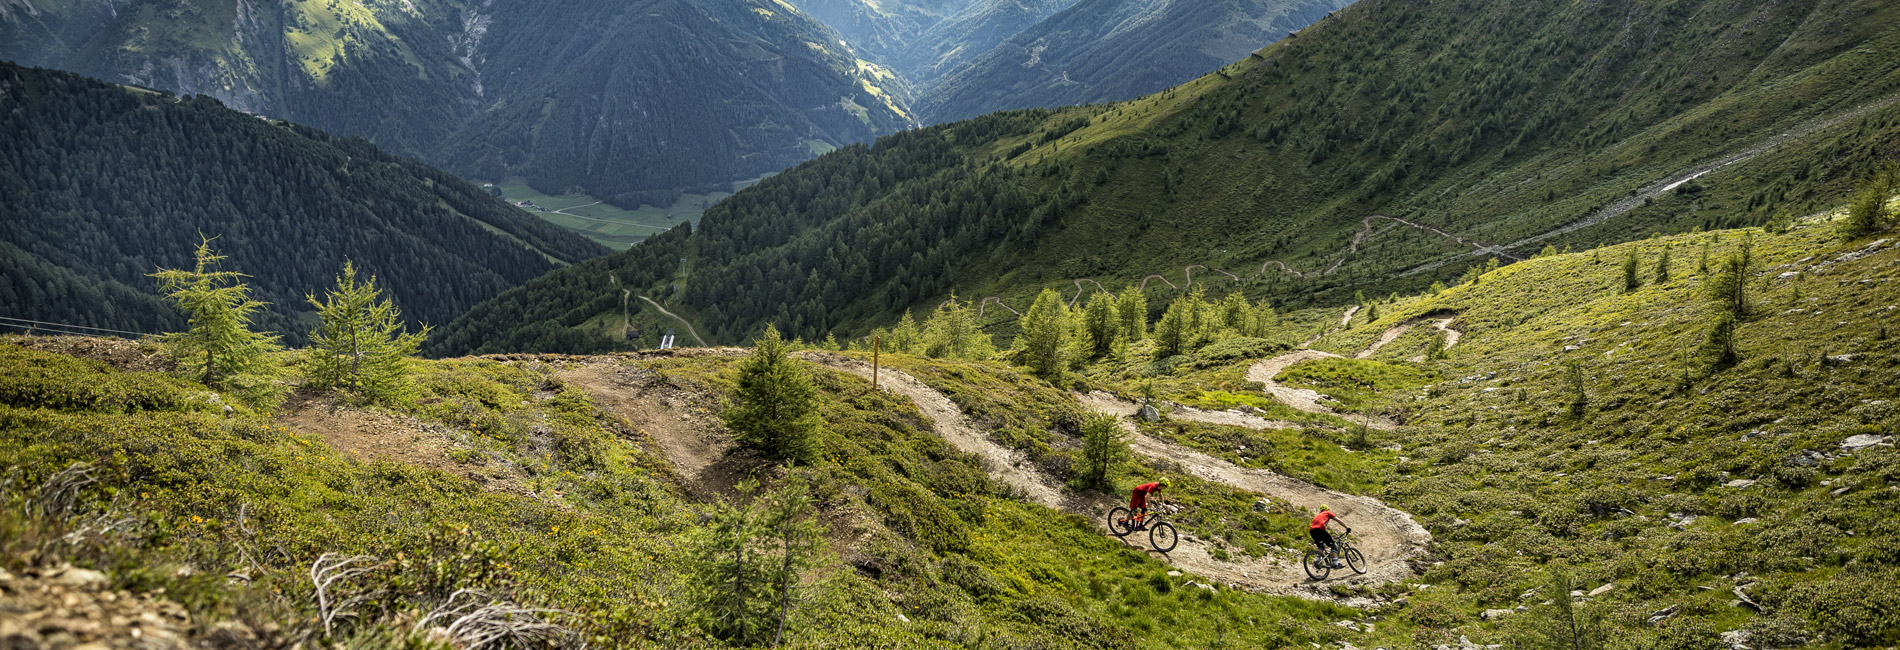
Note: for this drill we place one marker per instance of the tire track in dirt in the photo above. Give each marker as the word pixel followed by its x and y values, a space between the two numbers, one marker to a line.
pixel 1390 538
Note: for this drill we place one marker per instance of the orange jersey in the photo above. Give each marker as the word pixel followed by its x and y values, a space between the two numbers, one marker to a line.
pixel 1319 521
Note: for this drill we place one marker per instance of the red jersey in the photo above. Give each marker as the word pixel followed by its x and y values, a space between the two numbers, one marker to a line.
pixel 1146 488
pixel 1319 521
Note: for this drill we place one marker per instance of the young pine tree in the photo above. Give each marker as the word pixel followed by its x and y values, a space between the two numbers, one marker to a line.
pixel 787 524
pixel 1662 267
pixel 952 332
pixel 219 349
pixel 1171 332
pixel 360 345
pixel 1236 314
pixel 1132 307
pixel 907 338
pixel 774 408
pixel 1045 337
pixel 1727 289
pixel 1102 324
pixel 1632 277
pixel 743 566
pixel 1102 448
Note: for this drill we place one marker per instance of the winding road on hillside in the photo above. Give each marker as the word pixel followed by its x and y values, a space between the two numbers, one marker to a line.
pixel 689 326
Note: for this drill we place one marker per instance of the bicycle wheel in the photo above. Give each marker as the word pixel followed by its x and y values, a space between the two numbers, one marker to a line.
pixel 1118 524
pixel 1162 537
pixel 1316 565
pixel 1355 560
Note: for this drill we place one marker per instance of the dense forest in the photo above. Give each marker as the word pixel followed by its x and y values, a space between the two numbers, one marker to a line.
pixel 105 184
pixel 1387 148
pixel 628 101
pixel 587 308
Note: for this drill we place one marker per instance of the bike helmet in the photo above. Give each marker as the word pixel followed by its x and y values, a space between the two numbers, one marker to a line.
pixel 1325 508
pixel 1164 482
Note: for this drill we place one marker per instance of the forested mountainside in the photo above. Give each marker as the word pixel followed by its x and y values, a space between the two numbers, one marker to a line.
pixel 105 184
pixel 625 101
pixel 1108 50
pixel 1392 146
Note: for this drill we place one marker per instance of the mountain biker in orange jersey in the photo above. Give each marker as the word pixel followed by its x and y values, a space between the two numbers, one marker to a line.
pixel 1138 501
pixel 1325 539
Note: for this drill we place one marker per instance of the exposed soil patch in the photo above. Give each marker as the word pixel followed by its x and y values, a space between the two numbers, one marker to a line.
pixel 1004 464
pixel 1389 538
pixel 119 353
pixel 678 424
pixel 371 435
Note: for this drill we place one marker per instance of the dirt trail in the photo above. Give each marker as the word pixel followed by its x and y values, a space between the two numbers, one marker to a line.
pixel 683 429
pixel 1451 336
pixel 1004 464
pixel 371 435
pixel 1344 319
pixel 1388 537
pixel 1391 334
pixel 1305 399
pixel 1105 403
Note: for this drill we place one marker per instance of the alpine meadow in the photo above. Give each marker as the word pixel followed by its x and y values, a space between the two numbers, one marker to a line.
pixel 1204 324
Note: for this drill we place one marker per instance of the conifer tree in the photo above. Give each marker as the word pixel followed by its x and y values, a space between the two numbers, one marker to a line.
pixel 774 408
pixel 1045 338
pixel 1171 332
pixel 1264 318
pixel 1632 280
pixel 1103 447
pixel 360 344
pixel 219 349
pixel 1132 306
pixel 1236 314
pixel 1102 324
pixel 1727 289
pixel 1662 267
pixel 1702 261
pixel 906 337
pixel 952 332
pixel 743 566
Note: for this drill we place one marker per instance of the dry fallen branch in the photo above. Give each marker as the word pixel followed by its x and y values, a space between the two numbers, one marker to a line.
pixel 60 493
pixel 473 619
pixel 327 574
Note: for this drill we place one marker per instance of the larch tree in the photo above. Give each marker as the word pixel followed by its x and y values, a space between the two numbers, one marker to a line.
pixel 1132 307
pixel 1045 337
pixel 219 349
pixel 360 345
pixel 1103 324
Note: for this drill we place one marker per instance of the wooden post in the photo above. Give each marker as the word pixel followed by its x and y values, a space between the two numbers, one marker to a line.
pixel 876 342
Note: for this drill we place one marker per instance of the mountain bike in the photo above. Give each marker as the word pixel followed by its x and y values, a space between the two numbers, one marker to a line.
pixel 1161 535
pixel 1319 562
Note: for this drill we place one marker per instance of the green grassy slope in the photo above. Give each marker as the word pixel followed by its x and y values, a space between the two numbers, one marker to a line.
pixel 1677 482
pixel 923 552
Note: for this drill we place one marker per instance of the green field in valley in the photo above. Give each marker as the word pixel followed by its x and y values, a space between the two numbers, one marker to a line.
pixel 608 224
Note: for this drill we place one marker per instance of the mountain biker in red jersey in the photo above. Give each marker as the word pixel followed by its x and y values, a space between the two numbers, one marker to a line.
pixel 1325 539
pixel 1138 501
